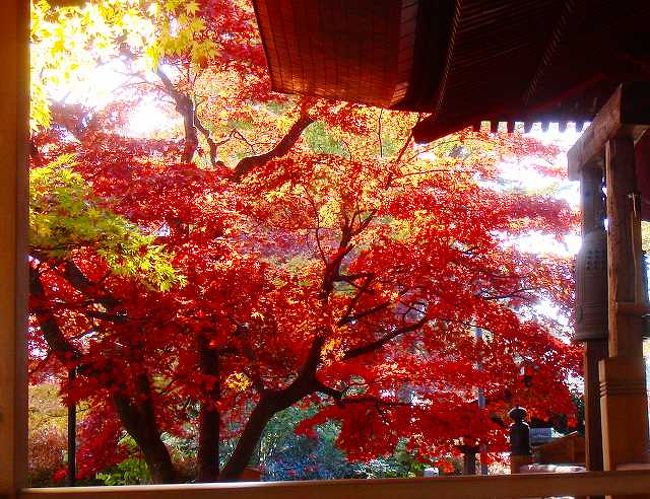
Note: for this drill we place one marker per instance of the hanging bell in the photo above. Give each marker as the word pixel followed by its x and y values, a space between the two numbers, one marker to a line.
pixel 591 287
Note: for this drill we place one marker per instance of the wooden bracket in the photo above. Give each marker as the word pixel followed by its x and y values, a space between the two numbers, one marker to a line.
pixel 626 114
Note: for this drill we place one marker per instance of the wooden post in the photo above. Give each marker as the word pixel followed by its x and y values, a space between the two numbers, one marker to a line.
pixel 624 249
pixel 14 90
pixel 624 402
pixel 595 351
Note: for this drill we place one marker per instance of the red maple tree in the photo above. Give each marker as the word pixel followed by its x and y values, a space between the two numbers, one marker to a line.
pixel 278 252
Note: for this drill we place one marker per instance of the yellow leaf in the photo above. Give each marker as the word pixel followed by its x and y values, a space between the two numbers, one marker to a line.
pixel 191 7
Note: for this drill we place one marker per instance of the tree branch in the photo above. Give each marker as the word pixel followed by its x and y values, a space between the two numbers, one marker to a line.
pixel 364 313
pixel 249 163
pixel 377 344
pixel 63 349
pixel 185 106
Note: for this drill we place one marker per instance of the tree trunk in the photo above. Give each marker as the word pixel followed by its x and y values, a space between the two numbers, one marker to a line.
pixel 270 403
pixel 138 420
pixel 158 460
pixel 209 416
pixel 266 408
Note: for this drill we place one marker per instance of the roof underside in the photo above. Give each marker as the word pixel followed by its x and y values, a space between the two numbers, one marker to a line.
pixel 463 61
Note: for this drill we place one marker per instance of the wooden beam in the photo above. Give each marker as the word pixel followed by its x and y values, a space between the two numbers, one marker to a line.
pixel 626 114
pixel 14 129
pixel 476 487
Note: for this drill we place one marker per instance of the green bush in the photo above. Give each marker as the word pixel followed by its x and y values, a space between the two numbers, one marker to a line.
pixel 131 471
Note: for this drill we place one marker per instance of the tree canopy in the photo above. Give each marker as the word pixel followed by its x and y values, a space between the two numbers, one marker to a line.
pixel 253 252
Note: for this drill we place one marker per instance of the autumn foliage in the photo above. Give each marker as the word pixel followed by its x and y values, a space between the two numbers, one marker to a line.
pixel 258 251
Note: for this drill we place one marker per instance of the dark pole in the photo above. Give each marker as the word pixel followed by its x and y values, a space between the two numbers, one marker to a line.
pixel 72 434
pixel 478 333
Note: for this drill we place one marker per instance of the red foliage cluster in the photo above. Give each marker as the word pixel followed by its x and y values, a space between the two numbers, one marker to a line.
pixel 311 277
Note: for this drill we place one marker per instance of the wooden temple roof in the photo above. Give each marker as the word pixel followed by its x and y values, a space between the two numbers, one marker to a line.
pixel 462 61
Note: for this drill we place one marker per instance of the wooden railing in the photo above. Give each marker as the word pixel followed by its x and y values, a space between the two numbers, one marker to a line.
pixel 619 483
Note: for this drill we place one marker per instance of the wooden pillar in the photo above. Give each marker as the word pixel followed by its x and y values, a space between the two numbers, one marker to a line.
pixel 624 402
pixel 595 351
pixel 624 249
pixel 14 89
